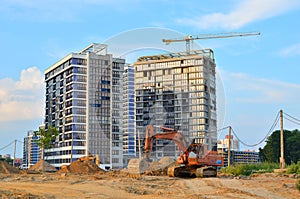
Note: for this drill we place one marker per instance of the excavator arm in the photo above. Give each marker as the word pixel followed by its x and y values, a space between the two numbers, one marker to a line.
pixel 169 134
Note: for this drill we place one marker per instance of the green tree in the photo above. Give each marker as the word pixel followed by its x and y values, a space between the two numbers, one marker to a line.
pixel 271 151
pixel 7 159
pixel 292 146
pixel 46 138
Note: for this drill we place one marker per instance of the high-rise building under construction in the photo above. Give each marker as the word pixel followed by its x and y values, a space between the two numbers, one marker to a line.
pixel 84 102
pixel 177 90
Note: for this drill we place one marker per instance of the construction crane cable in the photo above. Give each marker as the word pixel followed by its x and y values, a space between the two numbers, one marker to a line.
pixel 262 140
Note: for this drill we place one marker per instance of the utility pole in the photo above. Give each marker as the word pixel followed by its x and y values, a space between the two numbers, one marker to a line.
pixel 229 146
pixel 281 159
pixel 15 147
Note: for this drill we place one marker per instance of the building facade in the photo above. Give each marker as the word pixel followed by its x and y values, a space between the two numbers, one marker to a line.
pixel 245 157
pixel 31 151
pixel 83 101
pixel 129 133
pixel 177 90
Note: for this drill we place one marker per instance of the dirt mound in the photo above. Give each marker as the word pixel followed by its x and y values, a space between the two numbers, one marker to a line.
pixel 81 167
pixel 118 173
pixel 42 165
pixel 7 168
pixel 160 167
pixel 16 194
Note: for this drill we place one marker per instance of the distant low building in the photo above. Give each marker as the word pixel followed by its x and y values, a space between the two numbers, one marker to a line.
pixel 6 156
pixel 223 144
pixel 236 156
pixel 241 157
pixel 245 157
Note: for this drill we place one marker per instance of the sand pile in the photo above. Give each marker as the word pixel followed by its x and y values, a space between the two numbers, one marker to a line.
pixel 42 165
pixel 81 167
pixel 7 168
pixel 160 167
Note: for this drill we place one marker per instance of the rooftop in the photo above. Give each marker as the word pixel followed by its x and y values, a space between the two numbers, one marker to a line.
pixel 205 52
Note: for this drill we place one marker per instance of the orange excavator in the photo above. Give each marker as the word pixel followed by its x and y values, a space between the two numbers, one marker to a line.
pixel 194 160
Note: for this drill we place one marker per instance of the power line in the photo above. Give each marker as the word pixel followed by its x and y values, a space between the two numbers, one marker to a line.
pixel 298 123
pixel 223 128
pixel 20 141
pixel 7 146
pixel 262 140
pixel 292 117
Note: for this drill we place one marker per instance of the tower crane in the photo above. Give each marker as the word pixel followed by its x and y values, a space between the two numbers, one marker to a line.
pixel 190 38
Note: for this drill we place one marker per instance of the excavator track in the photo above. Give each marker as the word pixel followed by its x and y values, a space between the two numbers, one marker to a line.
pixel 206 172
pixel 198 171
pixel 181 171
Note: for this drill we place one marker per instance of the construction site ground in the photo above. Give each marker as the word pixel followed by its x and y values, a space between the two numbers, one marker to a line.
pixel 117 184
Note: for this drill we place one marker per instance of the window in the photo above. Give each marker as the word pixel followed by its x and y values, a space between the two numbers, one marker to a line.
pixel 115 137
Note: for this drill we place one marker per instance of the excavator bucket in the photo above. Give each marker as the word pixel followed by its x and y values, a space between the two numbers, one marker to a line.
pixel 160 168
pixel 136 167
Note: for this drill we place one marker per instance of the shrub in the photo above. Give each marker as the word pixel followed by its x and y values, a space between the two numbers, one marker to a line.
pixel 248 169
pixel 294 168
pixel 298 185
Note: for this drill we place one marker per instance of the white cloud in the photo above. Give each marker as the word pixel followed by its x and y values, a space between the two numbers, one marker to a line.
pixel 290 50
pixel 23 99
pixel 244 12
pixel 244 88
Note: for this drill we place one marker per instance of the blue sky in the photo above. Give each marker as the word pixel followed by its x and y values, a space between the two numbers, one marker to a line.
pixel 259 74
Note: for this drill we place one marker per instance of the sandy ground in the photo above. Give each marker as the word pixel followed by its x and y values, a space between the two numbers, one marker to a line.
pixel 117 185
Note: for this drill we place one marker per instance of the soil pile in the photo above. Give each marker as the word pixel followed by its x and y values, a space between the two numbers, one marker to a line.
pixel 7 168
pixel 42 165
pixel 118 173
pixel 81 167
pixel 17 194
